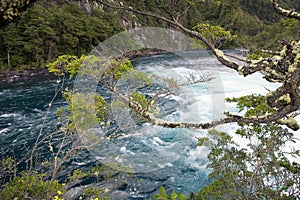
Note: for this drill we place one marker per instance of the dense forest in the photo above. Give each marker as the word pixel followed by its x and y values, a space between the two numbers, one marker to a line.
pixel 48 29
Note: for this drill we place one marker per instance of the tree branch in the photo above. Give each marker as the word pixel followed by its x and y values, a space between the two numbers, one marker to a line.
pixel 276 116
pixel 285 12
pixel 283 68
pixel 218 53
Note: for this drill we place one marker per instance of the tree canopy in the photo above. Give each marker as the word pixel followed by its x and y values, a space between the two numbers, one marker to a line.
pixel 49 30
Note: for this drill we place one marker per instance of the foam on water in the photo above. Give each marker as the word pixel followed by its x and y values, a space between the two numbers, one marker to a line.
pixel 8 115
pixel 4 130
pixel 161 156
pixel 203 108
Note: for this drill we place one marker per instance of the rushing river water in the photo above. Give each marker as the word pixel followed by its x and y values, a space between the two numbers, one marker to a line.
pixel 167 157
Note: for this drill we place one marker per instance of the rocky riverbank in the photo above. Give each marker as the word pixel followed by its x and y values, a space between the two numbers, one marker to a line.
pixel 15 76
pixel 143 53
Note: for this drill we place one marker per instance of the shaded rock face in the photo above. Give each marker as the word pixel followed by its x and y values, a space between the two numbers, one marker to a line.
pixel 26 75
pixel 74 193
pixel 115 189
pixel 86 6
pixel 120 195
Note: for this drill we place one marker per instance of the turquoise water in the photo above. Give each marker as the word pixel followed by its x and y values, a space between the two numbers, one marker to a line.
pixel 23 113
pixel 159 156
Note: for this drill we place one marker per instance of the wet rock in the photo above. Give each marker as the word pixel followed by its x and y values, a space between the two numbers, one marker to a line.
pixel 119 195
pixel 114 189
pixel 75 192
pixel 15 76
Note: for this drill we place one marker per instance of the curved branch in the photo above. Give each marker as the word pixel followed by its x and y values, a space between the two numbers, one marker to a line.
pixel 285 12
pixel 283 68
pixel 218 53
pixel 276 116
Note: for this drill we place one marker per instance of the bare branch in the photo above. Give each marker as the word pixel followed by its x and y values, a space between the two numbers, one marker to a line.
pixel 192 78
pixel 37 142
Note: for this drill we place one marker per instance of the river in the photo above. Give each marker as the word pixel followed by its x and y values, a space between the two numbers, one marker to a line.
pixel 167 157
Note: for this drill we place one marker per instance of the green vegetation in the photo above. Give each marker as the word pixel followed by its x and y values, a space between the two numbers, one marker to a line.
pixel 11 9
pixel 33 183
pixel 216 35
pixel 260 170
pixel 254 172
pixel 49 30
pixel 251 21
pixel 32 186
pixel 163 195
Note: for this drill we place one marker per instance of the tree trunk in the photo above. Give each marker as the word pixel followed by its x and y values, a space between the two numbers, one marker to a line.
pixel 49 52
pixel 8 56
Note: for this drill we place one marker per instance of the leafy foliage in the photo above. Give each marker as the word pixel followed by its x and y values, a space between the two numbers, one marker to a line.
pixel 117 68
pixel 32 186
pixel 11 9
pixel 163 195
pixel 216 35
pixel 261 170
pixel 140 98
pixel 253 105
pixel 219 190
pixel 66 63
pixel 251 21
pixel 49 30
pixel 97 193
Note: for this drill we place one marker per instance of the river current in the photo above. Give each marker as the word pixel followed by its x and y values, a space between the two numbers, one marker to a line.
pixel 162 157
